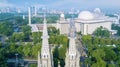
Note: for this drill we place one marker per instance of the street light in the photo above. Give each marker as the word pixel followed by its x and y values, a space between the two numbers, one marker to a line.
pixel 16 60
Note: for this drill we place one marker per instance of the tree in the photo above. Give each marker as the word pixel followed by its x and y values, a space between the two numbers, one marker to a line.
pixel 108 41
pixel 2 56
pixel 96 40
pixel 17 37
pixel 102 41
pixel 33 65
pixel 87 39
pixel 110 55
pixel 62 62
pixel 19 49
pixel 102 32
pixel 98 54
pixel 27 31
pixel 35 49
pixel 52 19
pixel 36 37
pixel 12 47
pixel 6 28
pixel 53 31
pixel 56 57
pixel 101 63
pixel 111 65
pixel 27 50
pixel 62 53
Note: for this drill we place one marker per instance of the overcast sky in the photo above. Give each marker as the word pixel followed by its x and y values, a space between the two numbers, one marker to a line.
pixel 63 4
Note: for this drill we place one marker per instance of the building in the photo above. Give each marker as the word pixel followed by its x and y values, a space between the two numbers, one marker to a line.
pixel 63 24
pixel 37 27
pixel 87 22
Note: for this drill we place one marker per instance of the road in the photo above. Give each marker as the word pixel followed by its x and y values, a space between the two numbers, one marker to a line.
pixel 23 62
pixel 81 51
pixel 80 47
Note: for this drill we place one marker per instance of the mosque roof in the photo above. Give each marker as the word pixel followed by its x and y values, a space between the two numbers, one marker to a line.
pixel 85 15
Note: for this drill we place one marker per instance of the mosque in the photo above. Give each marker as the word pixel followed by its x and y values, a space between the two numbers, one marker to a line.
pixel 86 22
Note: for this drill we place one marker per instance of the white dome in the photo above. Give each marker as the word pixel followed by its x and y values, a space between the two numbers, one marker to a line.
pixel 62 15
pixel 86 15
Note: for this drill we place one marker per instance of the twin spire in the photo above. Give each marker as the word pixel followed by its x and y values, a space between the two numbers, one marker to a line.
pixel 45 33
pixel 45 58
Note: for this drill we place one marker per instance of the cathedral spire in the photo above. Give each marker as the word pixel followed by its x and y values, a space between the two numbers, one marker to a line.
pixel 71 58
pixel 45 44
pixel 72 37
pixel 45 33
pixel 45 57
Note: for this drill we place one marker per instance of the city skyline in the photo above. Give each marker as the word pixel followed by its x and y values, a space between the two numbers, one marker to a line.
pixel 107 6
pixel 62 4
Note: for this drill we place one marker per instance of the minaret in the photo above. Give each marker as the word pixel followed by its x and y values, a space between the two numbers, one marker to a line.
pixel 45 57
pixel 62 17
pixel 71 58
pixel 29 15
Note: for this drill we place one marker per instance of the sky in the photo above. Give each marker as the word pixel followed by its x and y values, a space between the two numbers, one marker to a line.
pixel 64 4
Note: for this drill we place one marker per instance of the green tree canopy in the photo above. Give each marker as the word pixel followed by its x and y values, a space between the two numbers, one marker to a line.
pixel 102 32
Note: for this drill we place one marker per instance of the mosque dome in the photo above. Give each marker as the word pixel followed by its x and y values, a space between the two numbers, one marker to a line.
pixel 62 15
pixel 86 15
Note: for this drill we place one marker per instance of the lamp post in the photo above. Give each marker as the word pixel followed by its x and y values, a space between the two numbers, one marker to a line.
pixel 16 63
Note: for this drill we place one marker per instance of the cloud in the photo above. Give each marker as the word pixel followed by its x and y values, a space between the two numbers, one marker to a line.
pixel 4 3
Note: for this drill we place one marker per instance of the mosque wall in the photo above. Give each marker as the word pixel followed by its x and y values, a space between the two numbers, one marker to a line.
pixel 77 25
pixel 90 28
pixel 64 28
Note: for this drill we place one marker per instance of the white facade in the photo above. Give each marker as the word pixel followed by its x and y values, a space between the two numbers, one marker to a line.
pixel 89 28
pixel 63 25
pixel 87 22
